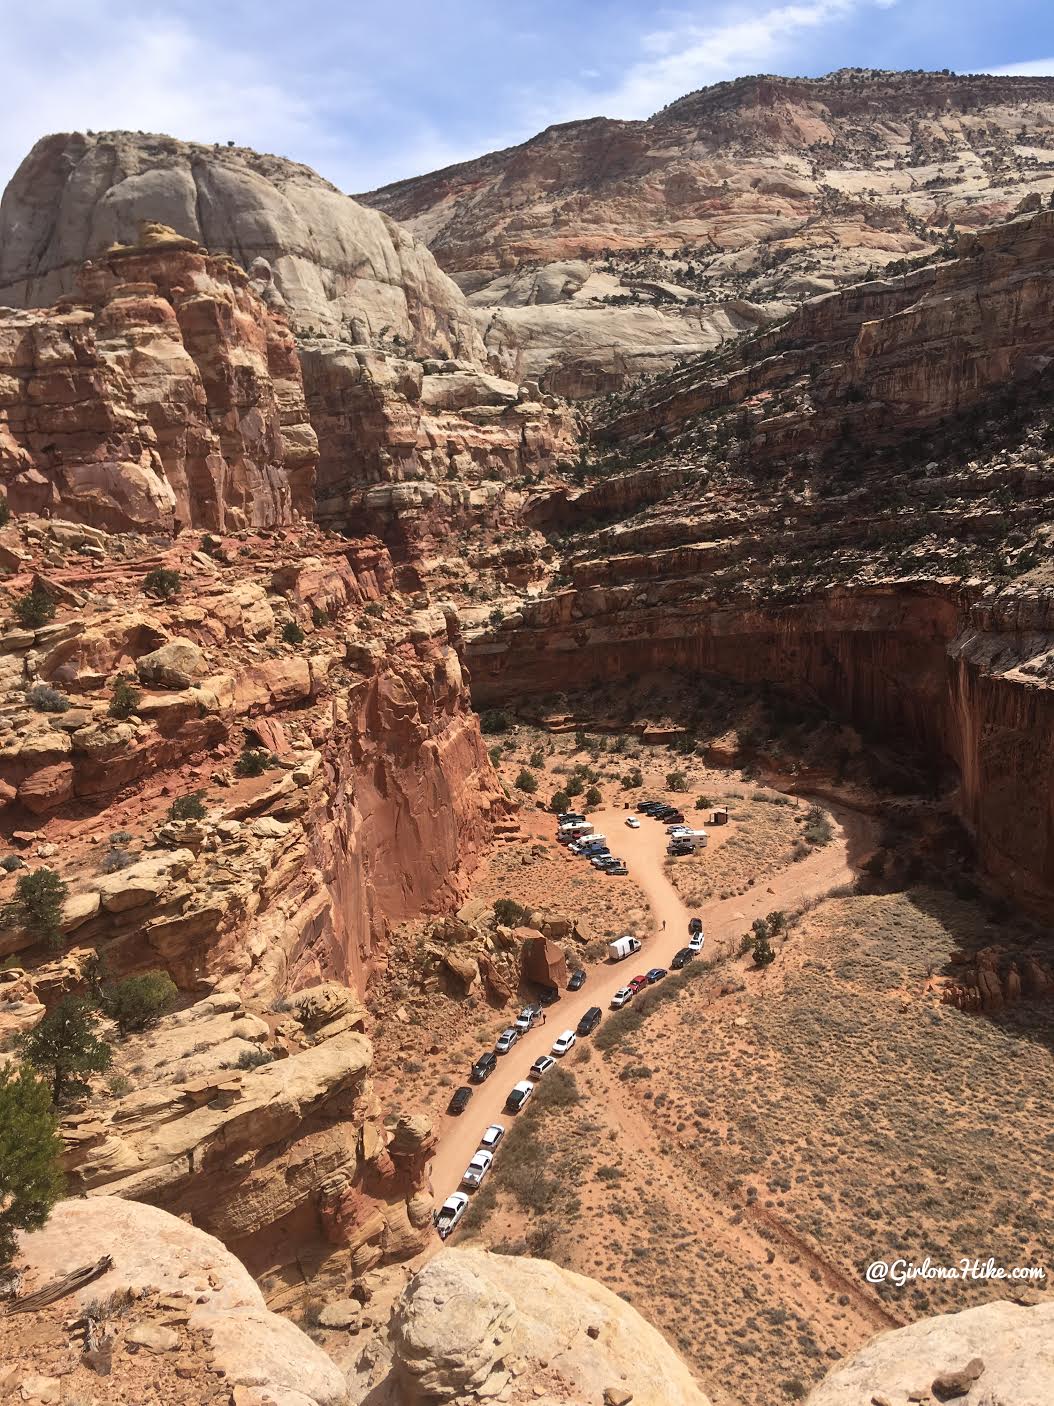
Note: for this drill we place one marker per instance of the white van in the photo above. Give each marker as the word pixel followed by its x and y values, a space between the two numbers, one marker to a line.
pixel 622 948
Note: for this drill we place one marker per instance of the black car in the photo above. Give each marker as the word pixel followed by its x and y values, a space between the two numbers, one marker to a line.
pixel 694 925
pixel 548 995
pixel 682 958
pixel 646 807
pixel 569 817
pixel 576 980
pixel 590 1020
pixel 675 817
pixel 484 1067
pixel 459 1102
pixel 679 851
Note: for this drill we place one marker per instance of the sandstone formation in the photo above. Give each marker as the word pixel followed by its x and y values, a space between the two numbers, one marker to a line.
pixel 415 439
pixel 1000 1351
pixel 162 393
pixel 168 1272
pixel 602 249
pixel 474 1325
pixel 313 253
pixel 771 554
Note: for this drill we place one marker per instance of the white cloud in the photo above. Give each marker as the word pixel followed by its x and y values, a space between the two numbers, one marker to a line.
pixel 1039 68
pixel 687 55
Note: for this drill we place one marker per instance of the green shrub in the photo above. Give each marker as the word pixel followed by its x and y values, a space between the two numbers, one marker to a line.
pixel 187 807
pixel 676 781
pixel 615 1030
pixel 527 781
pixel 493 721
pixel 593 797
pixel 125 698
pixel 537 759
pixel 510 913
pixel 65 1046
pixel 5 512
pixel 374 608
pixel 35 608
pixel 46 699
pixel 818 829
pixel 254 761
pixel 115 859
pixel 254 1058
pixel 139 1001
pixel 292 633
pixel 37 906
pixel 162 583
pixel 633 779
pixel 30 1148
pixel 497 615
pixel 703 803
pixel 560 802
pixel 574 785
pixel 11 862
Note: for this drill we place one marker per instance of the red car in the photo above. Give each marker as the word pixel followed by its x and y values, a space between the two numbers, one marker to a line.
pixel 637 984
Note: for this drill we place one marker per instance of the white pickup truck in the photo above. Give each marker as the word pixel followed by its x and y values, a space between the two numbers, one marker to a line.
pixel 450 1213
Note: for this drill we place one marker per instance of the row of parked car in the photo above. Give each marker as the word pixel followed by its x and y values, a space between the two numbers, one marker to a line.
pixel 577 834
pixel 454 1207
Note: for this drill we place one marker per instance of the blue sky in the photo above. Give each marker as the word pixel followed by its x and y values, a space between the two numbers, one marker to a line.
pixel 369 93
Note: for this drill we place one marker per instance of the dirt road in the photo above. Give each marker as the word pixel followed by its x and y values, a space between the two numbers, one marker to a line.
pixel 724 923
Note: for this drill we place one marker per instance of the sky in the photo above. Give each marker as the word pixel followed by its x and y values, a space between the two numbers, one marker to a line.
pixel 372 93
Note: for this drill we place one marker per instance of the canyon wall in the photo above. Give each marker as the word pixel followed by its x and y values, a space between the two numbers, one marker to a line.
pixel 161 394
pixel 600 250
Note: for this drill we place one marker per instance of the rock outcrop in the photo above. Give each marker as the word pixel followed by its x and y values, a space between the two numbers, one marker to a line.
pixel 313 253
pixel 174 1293
pixel 161 393
pixel 473 1325
pixel 602 249
pixel 998 1352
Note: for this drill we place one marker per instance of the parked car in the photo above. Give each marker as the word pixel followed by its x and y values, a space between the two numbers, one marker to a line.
pixel 681 958
pixel 622 997
pixel 518 1095
pixel 506 1040
pixel 484 1067
pixel 548 995
pixel 569 817
pixel 590 1020
pixel 638 983
pixel 476 1170
pixel 601 860
pixel 492 1136
pixel 695 942
pixel 675 817
pixel 674 830
pixel 694 925
pixel 633 822
pixel 618 868
pixel 564 1042
pixel 645 806
pixel 451 1211
pixel 541 1066
pixel 576 980
pixel 656 974
pixel 679 851
pixel 529 1016
pixel 459 1100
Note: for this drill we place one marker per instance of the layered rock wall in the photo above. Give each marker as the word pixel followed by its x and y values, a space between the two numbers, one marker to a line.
pixel 162 395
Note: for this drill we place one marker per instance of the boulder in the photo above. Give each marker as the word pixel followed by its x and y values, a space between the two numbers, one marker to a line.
pixel 175 665
pixel 544 962
pixel 154 1251
pixel 464 968
pixel 999 1352
pixel 469 1318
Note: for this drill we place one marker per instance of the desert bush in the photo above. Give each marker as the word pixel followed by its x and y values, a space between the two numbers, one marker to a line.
pixel 494 720
pixel 560 802
pixel 254 761
pixel 188 807
pixel 676 781
pixel 115 859
pixel 37 906
pixel 162 583
pixel 574 785
pixel 593 797
pixel 45 699
pixel 139 1001
pixel 35 608
pixel 292 633
pixel 527 782
pixel 124 699
pixel 254 1058
pixel 510 913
